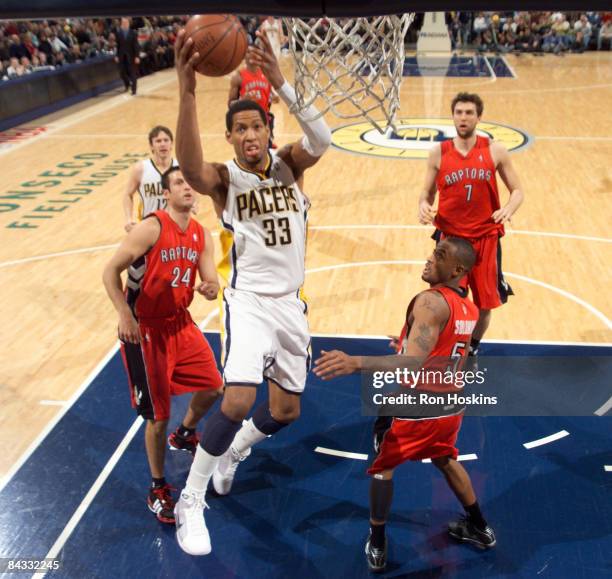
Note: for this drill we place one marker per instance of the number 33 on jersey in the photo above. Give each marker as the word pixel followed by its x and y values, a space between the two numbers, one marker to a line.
pixel 264 235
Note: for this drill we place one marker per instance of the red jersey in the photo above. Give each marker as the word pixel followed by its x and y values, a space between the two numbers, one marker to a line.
pixel 454 339
pixel 256 87
pixel 468 191
pixel 160 283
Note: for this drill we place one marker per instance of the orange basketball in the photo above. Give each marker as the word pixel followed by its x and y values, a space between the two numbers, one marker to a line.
pixel 221 41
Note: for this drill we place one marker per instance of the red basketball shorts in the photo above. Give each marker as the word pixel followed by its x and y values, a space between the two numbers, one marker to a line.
pixel 172 358
pixel 396 440
pixel 486 280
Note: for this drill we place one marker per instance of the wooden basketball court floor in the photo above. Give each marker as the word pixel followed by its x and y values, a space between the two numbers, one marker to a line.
pixel 61 218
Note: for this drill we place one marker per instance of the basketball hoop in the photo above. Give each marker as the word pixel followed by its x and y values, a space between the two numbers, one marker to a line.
pixel 353 66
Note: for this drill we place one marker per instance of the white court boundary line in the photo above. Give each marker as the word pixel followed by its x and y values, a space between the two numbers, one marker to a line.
pixel 459 458
pixel 546 439
pixel 604 408
pixel 593 310
pixel 341 453
pixel 312 228
pixel 99 482
pixel 54 421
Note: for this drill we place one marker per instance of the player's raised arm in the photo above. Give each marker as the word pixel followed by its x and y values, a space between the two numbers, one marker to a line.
pixel 317 136
pixel 128 195
pixel 510 179
pixel 209 286
pixel 428 195
pixel 234 90
pixel 430 314
pixel 138 241
pixel 202 176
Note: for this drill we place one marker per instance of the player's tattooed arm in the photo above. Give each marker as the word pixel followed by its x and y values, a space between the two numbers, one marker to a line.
pixel 430 314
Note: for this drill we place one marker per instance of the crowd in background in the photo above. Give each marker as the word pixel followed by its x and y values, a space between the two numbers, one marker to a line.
pixel 27 47
pixel 535 32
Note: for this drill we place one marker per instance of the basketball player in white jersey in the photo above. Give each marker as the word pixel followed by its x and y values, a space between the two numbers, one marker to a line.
pixel 259 198
pixel 145 178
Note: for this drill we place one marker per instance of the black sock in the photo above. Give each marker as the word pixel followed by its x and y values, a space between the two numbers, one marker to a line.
pixel 474 345
pixel 475 516
pixel 158 482
pixel 377 538
pixel 185 432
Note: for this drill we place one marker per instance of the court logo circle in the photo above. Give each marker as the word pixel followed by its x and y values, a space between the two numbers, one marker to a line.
pixel 414 137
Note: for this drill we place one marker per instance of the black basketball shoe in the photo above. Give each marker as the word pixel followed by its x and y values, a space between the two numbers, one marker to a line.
pixel 161 503
pixel 465 530
pixel 376 558
pixel 187 443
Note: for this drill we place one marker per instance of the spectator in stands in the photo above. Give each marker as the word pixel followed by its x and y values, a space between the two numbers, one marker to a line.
pixel 17 48
pixel 15 68
pixel 583 26
pixel 605 34
pixel 44 47
pixel 480 24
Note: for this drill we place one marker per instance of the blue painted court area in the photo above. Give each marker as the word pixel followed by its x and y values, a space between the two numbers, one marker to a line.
pixel 294 512
pixel 458 66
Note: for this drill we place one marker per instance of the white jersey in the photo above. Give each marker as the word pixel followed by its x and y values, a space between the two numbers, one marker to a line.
pixel 150 189
pixel 264 219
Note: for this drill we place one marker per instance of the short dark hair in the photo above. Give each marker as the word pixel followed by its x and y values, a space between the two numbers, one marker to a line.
pixel 464 252
pixel 468 97
pixel 243 105
pixel 159 129
pixel 165 180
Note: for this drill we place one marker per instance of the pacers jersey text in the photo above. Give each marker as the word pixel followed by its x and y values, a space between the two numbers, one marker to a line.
pixel 264 218
pixel 160 283
pixel 150 189
pixel 468 191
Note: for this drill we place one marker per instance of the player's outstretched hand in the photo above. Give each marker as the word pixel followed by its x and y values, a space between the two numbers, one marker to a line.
pixel 186 62
pixel 261 54
pixel 503 215
pixel 128 329
pixel 426 213
pixel 208 289
pixel 335 363
pixel 394 344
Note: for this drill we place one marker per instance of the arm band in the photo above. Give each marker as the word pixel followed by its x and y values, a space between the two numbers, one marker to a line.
pixel 317 136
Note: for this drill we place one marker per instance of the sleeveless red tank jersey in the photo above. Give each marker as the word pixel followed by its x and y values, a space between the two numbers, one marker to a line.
pixel 454 339
pixel 256 87
pixel 468 191
pixel 160 283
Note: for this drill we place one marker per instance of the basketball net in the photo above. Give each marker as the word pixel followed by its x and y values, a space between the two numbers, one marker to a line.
pixel 351 66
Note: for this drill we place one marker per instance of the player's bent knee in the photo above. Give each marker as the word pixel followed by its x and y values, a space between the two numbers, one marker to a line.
pixel 442 462
pixel 286 415
pixel 158 426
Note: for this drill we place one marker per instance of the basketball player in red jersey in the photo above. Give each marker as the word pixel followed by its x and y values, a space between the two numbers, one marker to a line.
pixel 251 83
pixel 463 171
pixel 163 350
pixel 438 323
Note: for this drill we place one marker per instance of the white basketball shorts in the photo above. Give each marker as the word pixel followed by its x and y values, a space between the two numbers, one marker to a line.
pixel 265 338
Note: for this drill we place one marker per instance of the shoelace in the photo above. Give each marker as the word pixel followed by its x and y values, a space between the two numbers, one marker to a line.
pixel 236 460
pixel 195 518
pixel 164 493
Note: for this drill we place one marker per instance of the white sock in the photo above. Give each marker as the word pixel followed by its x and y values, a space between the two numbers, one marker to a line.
pixel 247 436
pixel 201 470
